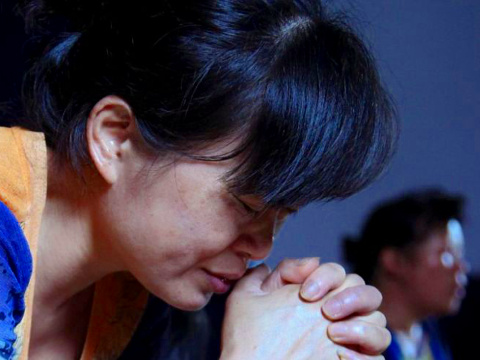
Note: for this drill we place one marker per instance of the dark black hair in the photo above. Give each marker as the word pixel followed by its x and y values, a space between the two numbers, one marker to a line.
pixel 295 85
pixel 401 223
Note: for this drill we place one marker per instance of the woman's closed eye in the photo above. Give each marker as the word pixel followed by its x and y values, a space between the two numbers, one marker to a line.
pixel 250 206
pixel 256 208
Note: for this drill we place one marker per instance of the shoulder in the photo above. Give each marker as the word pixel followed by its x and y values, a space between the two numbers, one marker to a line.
pixel 22 152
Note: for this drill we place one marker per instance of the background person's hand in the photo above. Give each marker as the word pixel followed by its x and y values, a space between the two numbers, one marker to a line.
pixel 267 319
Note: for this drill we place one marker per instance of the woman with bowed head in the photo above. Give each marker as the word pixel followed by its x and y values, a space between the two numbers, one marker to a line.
pixel 167 142
pixel 412 248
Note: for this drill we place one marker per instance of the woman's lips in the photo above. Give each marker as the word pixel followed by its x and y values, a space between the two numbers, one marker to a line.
pixel 460 292
pixel 219 284
pixel 461 282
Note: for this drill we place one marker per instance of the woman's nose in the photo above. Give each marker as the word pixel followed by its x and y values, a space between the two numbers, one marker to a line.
pixel 463 265
pixel 257 237
pixel 253 246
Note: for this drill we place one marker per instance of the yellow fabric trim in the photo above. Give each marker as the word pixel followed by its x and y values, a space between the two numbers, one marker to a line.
pixel 15 174
pixel 36 154
pixel 118 305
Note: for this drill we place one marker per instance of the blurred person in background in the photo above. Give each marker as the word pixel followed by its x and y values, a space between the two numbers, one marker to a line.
pixel 412 248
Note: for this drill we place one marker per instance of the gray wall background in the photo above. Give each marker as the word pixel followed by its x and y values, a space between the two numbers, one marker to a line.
pixel 429 55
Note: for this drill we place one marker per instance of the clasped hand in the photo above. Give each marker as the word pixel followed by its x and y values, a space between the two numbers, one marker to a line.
pixel 303 310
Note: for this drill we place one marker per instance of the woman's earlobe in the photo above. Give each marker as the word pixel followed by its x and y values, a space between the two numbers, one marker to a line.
pixel 110 130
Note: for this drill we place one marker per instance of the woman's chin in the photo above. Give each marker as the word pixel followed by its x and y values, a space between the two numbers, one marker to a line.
pixel 193 303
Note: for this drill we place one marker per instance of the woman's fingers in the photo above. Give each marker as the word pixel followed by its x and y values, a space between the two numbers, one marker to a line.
pixel 317 280
pixel 359 299
pixel 346 354
pixel 376 318
pixel 290 271
pixel 369 338
pixel 325 278
pixel 367 332
pixel 253 279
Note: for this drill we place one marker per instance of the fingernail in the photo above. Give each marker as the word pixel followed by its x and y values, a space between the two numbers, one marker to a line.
pixel 345 354
pixel 333 308
pixel 341 356
pixel 337 331
pixel 310 290
pixel 303 261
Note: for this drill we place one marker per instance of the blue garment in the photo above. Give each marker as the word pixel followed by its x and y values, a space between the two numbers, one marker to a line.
pixel 15 273
pixel 437 345
pixel 170 334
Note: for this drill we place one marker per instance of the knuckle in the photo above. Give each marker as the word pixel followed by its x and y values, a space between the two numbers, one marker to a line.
pixel 374 293
pixel 376 318
pixel 380 318
pixel 374 339
pixel 380 339
pixel 286 262
pixel 364 336
pixel 387 337
pixel 360 298
pixel 335 269
pixel 355 279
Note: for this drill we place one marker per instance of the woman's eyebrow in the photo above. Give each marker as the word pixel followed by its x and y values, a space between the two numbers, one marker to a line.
pixel 289 209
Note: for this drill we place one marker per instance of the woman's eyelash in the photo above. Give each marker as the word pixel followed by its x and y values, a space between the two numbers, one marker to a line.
pixel 246 207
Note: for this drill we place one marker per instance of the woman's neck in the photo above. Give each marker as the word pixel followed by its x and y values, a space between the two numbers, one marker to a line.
pixel 69 258
pixel 401 314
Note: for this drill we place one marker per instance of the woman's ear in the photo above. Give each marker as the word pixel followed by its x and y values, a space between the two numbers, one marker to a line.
pixel 110 131
pixel 391 261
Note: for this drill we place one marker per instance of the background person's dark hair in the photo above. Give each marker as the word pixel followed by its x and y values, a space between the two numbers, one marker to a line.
pixel 401 223
pixel 293 84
